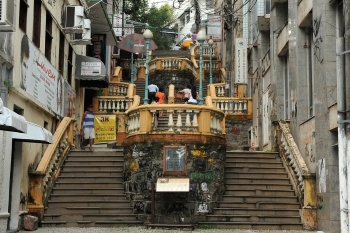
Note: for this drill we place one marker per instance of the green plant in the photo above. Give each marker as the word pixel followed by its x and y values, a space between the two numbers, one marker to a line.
pixel 7 84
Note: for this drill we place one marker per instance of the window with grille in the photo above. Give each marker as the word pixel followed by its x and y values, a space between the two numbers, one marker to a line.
pixel 37 23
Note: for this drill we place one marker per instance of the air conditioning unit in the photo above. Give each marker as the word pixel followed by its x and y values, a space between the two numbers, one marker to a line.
pixel 82 38
pixel 253 136
pixel 7 14
pixel 73 19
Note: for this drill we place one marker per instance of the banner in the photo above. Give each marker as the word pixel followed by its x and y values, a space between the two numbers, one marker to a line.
pixel 214 28
pixel 39 78
pixel 105 128
pixel 241 65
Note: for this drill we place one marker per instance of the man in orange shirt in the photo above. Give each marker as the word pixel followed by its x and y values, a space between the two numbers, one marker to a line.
pixel 160 94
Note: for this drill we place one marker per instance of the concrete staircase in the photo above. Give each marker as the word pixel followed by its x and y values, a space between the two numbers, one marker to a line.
pixel 258 195
pixel 90 192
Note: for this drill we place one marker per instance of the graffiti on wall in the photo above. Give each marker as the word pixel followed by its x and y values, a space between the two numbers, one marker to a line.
pixel 307 143
pixel 322 175
pixel 317 38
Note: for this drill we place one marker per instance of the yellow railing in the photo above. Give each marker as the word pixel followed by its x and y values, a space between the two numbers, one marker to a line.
pixel 180 118
pixel 43 177
pixel 303 181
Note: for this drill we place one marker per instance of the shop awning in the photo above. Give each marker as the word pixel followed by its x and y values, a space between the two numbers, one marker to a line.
pixel 35 133
pixel 11 121
pixel 91 72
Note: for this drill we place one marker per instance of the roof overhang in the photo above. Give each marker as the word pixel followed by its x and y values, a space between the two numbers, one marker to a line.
pixel 11 121
pixel 35 134
pixel 91 72
pixel 101 19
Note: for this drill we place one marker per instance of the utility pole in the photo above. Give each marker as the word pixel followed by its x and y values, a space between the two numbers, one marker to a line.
pixel 229 29
pixel 198 15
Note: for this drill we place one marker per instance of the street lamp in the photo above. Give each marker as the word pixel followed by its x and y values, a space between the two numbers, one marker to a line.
pixel 201 38
pixel 210 43
pixel 148 35
pixel 132 68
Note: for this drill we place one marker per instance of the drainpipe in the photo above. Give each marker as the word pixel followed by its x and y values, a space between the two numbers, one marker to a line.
pixel 343 173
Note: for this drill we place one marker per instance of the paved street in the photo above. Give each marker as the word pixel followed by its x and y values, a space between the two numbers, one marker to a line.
pixel 144 230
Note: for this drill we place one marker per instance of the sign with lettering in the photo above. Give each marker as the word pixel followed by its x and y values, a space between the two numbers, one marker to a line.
pixel 241 65
pixel 105 128
pixel 174 160
pixel 173 185
pixel 38 77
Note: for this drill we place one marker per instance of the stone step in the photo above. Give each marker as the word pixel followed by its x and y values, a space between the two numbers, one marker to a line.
pixel 91 185
pixel 89 178
pixel 94 162
pixel 259 205
pixel 257 180
pixel 87 197
pixel 261 192
pixel 251 154
pixel 280 175
pixel 256 211
pixel 255 198
pixel 98 152
pixel 254 169
pixel 90 168
pixel 258 186
pixel 259 218
pixel 252 225
pixel 89 210
pixel 95 158
pixel 90 217
pixel 89 203
pixel 253 159
pixel 91 224
pixel 58 191
pixel 102 173
pixel 254 164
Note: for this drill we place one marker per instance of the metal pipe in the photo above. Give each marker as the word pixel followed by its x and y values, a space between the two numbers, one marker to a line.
pixel 343 171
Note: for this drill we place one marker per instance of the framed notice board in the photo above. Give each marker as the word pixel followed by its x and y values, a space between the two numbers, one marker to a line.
pixel 174 160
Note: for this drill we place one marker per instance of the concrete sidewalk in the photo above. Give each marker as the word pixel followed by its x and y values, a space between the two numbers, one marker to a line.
pixel 159 230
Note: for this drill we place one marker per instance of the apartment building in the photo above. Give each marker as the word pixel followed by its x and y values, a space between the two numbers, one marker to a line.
pixel 296 68
pixel 54 55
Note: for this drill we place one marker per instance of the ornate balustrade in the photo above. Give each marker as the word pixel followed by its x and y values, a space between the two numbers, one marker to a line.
pixel 181 119
pixel 112 104
pixel 233 105
pixel 216 90
pixel 303 181
pixel 118 89
pixel 43 178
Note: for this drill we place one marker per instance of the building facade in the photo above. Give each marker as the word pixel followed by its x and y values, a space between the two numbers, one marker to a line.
pixel 40 45
pixel 296 70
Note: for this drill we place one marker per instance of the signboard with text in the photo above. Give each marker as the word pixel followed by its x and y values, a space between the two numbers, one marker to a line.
pixel 241 66
pixel 105 128
pixel 39 78
pixel 215 28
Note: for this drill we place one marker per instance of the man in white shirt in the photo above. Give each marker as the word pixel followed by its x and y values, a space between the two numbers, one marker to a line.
pixel 152 90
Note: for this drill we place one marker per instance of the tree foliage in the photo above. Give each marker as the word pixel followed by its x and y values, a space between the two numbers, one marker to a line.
pixel 156 18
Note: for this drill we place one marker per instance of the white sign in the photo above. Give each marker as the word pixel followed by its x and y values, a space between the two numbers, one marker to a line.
pixel 128 29
pixel 241 68
pixel 214 27
pixel 117 24
pixel 173 185
pixel 39 78
pixel 90 68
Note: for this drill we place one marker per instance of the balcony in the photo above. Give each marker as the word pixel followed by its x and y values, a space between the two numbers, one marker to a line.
pixel 282 41
pixel 274 2
pixel 264 23
pixel 305 13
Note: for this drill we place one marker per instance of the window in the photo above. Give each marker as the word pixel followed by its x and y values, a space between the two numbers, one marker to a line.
pixel 286 87
pixel 310 73
pixel 37 23
pixel 70 65
pixel 61 54
pixel 48 36
pixel 22 22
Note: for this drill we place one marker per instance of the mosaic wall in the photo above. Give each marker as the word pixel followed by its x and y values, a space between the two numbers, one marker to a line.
pixel 204 168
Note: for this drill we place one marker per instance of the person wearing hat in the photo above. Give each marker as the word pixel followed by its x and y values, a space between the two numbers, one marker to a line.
pixel 87 127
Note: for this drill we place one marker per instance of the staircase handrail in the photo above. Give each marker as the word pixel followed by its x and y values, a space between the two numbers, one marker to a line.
pixel 43 177
pixel 304 180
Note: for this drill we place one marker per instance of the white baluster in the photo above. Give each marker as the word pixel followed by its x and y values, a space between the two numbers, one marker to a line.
pixel 179 120
pixel 240 106
pixel 118 105
pixel 226 106
pixel 195 120
pixel 170 121
pixel 113 105
pixel 230 110
pixel 212 123
pixel 188 120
